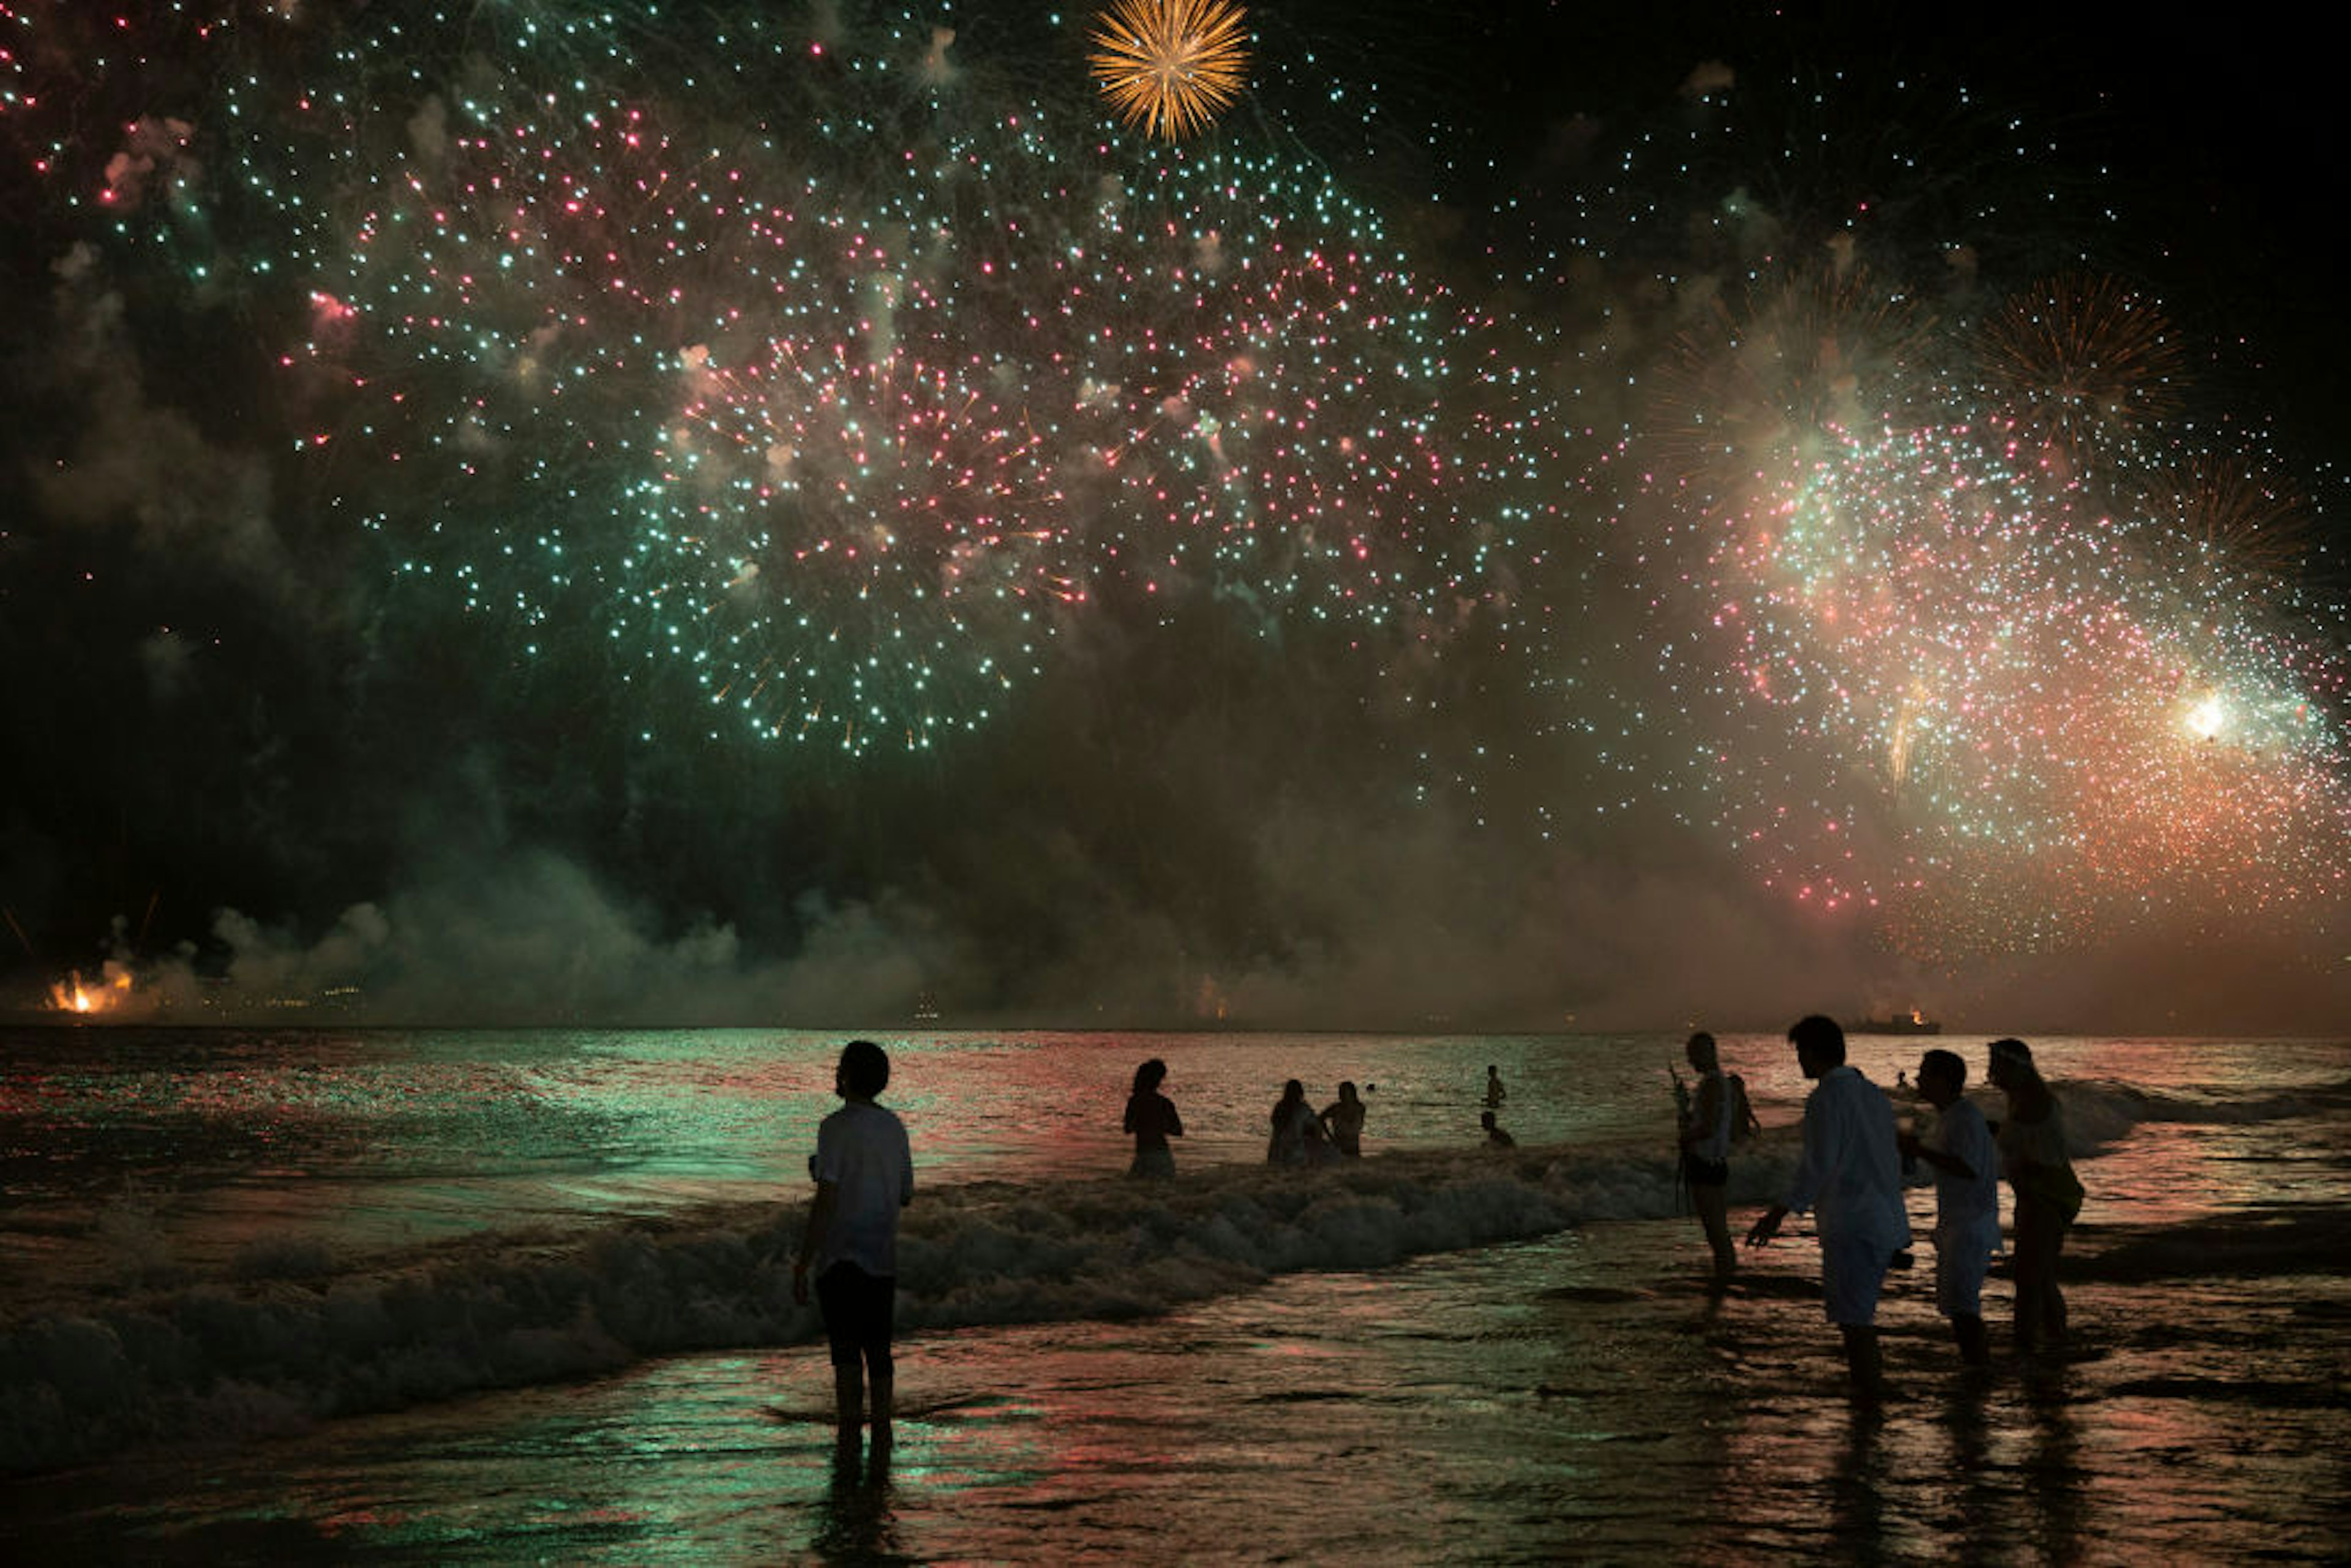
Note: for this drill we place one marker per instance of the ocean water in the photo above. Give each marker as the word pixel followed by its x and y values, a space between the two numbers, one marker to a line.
pixel 386 1296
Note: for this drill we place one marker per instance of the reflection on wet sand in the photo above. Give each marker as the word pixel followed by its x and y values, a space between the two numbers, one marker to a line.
pixel 2055 1480
pixel 857 1522
pixel 1501 1405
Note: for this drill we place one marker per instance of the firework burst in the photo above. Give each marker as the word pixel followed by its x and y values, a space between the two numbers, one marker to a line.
pixel 2081 362
pixel 2223 523
pixel 1752 381
pixel 1971 708
pixel 1171 65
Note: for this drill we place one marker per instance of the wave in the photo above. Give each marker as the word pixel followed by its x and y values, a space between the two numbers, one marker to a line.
pixel 2103 1110
pixel 2100 1113
pixel 287 1337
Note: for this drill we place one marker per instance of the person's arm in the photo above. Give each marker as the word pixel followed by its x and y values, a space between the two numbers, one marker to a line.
pixel 820 1219
pixel 1939 1153
pixel 1174 1123
pixel 1803 1187
pixel 1915 1148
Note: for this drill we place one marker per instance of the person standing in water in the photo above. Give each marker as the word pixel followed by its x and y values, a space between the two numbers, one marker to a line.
pixel 1150 1117
pixel 1967 1198
pixel 1850 1176
pixel 1343 1120
pixel 1291 1117
pixel 1713 1119
pixel 864 1173
pixel 1495 1093
pixel 2047 1195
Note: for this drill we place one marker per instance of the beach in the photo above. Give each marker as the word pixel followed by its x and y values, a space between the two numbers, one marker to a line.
pixel 1432 1354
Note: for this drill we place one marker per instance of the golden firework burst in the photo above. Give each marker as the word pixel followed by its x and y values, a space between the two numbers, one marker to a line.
pixel 1170 66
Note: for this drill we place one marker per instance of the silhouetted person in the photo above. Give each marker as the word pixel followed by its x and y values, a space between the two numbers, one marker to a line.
pixel 1495 1093
pixel 1495 1137
pixel 1342 1119
pixel 1150 1117
pixel 2047 1195
pixel 1292 1118
pixel 1850 1176
pixel 1714 1118
pixel 1967 1198
pixel 864 1175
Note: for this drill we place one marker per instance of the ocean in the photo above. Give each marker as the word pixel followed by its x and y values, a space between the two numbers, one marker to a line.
pixel 384 1296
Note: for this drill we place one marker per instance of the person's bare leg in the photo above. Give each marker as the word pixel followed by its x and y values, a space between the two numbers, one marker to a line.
pixel 1713 1211
pixel 2052 1294
pixel 885 1387
pixel 848 1402
pixel 2031 1269
pixel 1862 1363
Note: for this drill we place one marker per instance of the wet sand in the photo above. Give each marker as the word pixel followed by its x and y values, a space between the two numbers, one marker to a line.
pixel 1557 1400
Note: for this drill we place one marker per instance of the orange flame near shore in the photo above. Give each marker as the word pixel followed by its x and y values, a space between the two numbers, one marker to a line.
pixel 71 996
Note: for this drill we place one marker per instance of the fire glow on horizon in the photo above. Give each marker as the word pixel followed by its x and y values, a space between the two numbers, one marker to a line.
pixel 111 996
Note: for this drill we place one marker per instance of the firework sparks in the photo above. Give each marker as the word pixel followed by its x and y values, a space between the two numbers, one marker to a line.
pixel 855 426
pixel 1992 723
pixel 1171 65
pixel 2079 360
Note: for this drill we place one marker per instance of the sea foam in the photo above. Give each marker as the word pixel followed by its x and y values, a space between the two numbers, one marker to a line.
pixel 263 1350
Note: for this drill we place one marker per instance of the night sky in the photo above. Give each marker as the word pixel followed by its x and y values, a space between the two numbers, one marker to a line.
pixel 789 514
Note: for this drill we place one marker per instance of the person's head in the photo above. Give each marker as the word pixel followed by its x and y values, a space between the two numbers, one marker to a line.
pixel 1942 1074
pixel 1700 1051
pixel 1293 1089
pixel 1150 1076
pixel 1486 1120
pixel 1820 1044
pixel 1492 1071
pixel 864 1071
pixel 2010 1063
pixel 1347 1092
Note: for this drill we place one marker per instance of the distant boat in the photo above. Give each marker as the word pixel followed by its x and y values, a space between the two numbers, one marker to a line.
pixel 1912 1022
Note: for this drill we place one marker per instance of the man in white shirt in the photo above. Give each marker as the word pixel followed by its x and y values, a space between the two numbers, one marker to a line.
pixel 1967 1198
pixel 1850 1176
pixel 864 1175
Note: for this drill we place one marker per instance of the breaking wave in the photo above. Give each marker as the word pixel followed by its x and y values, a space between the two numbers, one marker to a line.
pixel 290 1336
pixel 295 1338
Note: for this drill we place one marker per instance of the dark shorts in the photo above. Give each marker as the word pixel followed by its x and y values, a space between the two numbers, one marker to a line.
pixel 1705 1172
pixel 859 1309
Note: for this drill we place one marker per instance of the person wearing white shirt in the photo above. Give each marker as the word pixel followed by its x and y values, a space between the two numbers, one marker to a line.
pixel 1967 1198
pixel 1850 1176
pixel 864 1175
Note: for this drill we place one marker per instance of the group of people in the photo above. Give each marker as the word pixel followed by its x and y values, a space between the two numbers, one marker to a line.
pixel 1297 1135
pixel 1302 1136
pixel 1849 1177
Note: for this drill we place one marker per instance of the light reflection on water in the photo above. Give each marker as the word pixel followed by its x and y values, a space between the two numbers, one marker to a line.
pixel 1488 1406
pixel 1572 1397
pixel 197 1145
